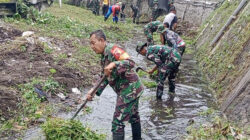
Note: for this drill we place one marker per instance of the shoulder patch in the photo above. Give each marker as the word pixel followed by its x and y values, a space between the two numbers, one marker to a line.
pixel 119 53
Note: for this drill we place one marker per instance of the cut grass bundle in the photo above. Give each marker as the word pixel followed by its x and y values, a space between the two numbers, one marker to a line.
pixel 59 129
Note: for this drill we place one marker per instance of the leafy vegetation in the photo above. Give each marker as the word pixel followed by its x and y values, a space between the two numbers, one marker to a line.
pixel 31 105
pixel 220 62
pixel 149 84
pixel 218 129
pixel 60 129
pixel 67 23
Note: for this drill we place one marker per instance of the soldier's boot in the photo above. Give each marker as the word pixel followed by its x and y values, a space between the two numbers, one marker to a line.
pixel 105 18
pixel 159 92
pixel 136 131
pixel 171 96
pixel 118 135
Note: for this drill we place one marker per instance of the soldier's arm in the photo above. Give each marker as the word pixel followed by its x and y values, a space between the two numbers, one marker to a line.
pixel 153 70
pixel 155 58
pixel 102 87
pixel 162 39
pixel 124 65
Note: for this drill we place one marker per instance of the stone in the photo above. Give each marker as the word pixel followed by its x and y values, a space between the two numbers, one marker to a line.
pixel 27 33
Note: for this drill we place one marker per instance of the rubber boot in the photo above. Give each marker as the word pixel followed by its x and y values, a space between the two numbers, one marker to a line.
pixel 136 131
pixel 158 94
pixel 105 18
pixel 171 96
pixel 118 135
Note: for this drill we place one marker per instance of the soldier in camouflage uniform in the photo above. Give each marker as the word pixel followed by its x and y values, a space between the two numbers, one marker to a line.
pixel 96 7
pixel 173 39
pixel 167 59
pixel 152 27
pixel 118 66
pixel 155 10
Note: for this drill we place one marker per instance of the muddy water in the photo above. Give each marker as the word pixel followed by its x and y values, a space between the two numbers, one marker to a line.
pixel 160 119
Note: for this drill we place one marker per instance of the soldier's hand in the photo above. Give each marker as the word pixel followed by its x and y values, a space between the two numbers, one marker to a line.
pixel 89 96
pixel 108 69
pixel 151 72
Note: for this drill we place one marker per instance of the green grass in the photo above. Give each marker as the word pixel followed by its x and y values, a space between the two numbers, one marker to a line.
pixel 59 129
pixel 220 66
pixel 218 129
pixel 70 21
pixel 149 84
pixel 31 105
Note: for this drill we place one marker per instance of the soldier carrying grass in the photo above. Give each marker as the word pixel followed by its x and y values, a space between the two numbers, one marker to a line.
pixel 167 60
pixel 117 66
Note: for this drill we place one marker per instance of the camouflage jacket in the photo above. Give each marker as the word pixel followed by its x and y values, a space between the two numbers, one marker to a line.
pixel 173 39
pixel 123 79
pixel 163 55
pixel 153 26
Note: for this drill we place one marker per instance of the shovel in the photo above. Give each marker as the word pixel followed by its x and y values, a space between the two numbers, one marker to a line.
pixel 92 93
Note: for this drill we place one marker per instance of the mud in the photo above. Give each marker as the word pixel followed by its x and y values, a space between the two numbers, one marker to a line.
pixel 9 99
pixel 24 58
pixel 186 28
pixel 7 34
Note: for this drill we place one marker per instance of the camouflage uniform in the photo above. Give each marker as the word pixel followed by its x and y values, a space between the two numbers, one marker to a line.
pixel 167 60
pixel 135 10
pixel 174 40
pixel 125 83
pixel 150 28
pixel 96 7
pixel 155 10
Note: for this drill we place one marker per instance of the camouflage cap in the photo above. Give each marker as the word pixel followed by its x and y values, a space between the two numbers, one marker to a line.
pixel 140 46
pixel 161 29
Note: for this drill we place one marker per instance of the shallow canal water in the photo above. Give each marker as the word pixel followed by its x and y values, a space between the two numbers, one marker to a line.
pixel 161 120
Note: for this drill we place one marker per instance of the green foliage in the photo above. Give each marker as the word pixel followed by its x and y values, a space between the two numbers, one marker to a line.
pixel 58 129
pixel 67 23
pixel 47 49
pixel 23 48
pixel 31 14
pixel 31 98
pixel 218 129
pixel 142 73
pixel 149 84
pixel 87 110
pixel 51 86
pixel 207 112
pixel 52 71
pixel 31 101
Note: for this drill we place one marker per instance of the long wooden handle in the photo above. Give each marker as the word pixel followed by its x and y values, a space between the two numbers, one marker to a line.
pixel 92 93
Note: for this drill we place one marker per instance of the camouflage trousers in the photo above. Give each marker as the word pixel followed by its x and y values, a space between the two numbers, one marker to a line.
pixel 125 112
pixel 149 36
pixel 96 9
pixel 169 71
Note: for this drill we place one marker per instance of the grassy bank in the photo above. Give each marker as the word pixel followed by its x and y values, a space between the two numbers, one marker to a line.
pixel 221 62
pixel 57 57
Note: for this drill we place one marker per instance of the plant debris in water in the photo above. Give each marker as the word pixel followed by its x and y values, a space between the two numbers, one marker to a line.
pixel 59 129
pixel 219 129
pixel 149 84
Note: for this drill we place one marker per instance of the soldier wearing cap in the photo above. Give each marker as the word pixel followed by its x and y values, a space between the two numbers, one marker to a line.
pixel 150 28
pixel 118 67
pixel 167 60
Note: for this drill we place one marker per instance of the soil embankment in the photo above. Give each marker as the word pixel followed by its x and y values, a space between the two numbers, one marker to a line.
pixel 227 61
